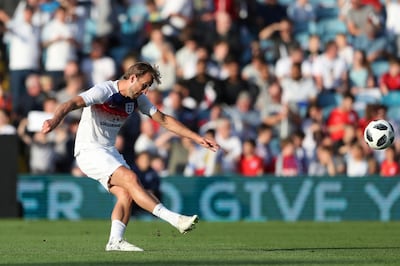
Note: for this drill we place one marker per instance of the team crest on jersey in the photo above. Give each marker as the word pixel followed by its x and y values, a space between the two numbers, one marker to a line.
pixel 129 107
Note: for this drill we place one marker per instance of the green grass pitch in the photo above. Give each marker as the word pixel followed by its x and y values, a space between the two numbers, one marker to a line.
pixel 232 243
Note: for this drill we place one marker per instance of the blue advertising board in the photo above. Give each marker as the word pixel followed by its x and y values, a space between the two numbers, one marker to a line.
pixel 224 198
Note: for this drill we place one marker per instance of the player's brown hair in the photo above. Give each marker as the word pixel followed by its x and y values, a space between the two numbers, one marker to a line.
pixel 141 68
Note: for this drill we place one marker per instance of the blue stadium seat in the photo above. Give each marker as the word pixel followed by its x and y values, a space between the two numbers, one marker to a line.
pixel 391 99
pixel 379 68
pixel 328 101
pixel 328 28
pixel 302 38
pixel 393 113
pixel 365 97
pixel 327 12
pixel 285 2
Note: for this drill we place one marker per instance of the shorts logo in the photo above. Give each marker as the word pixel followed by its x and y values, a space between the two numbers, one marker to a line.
pixel 129 107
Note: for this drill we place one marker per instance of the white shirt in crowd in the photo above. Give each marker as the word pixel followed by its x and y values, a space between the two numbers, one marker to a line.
pixel 24 43
pixel 98 70
pixel 59 53
pixel 330 70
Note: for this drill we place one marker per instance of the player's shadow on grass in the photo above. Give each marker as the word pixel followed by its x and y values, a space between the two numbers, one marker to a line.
pixel 322 248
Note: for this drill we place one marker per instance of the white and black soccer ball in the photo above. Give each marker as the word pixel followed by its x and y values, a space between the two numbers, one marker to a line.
pixel 379 134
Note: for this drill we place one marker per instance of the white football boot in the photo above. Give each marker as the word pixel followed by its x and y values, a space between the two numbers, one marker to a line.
pixel 187 223
pixel 121 245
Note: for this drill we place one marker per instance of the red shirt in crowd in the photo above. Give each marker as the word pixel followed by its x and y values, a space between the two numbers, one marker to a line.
pixel 391 82
pixel 340 117
pixel 251 166
pixel 389 168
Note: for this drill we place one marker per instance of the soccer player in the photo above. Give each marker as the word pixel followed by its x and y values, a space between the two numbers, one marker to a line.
pixel 106 107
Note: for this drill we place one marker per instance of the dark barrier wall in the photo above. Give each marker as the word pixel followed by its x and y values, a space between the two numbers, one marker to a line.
pixel 8 175
pixel 225 199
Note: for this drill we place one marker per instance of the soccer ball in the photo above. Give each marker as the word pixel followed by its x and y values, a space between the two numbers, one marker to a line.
pixel 379 134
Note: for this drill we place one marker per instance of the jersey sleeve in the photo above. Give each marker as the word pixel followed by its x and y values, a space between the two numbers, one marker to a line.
pixel 95 95
pixel 145 106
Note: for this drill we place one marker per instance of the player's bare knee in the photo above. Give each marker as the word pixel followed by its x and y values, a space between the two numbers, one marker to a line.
pixel 133 180
pixel 123 195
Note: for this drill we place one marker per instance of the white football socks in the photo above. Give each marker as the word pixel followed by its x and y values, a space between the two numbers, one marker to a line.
pixel 165 214
pixel 117 229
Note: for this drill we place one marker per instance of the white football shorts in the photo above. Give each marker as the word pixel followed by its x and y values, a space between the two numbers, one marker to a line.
pixel 100 163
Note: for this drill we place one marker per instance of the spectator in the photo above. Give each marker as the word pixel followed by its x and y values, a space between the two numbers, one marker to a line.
pixel 175 107
pixel 343 146
pixel 390 81
pixel 146 140
pixel 284 64
pixel 186 56
pixel 360 73
pixel 286 164
pixel 300 152
pixel 330 70
pixel 245 119
pixel 41 147
pixel 390 166
pixel 233 85
pixel 302 13
pixel 358 17
pixel 374 44
pixel 132 19
pixel 323 165
pixel 345 49
pixel 281 34
pixel 177 14
pixel 231 147
pixel 201 162
pixel 356 162
pixel 147 176
pixel 278 115
pixel 98 67
pixel 269 12
pixel 313 50
pixel 250 164
pixel 225 29
pixel 34 98
pixel 59 39
pixel 202 87
pixel 220 51
pixel 24 53
pixel 298 90
pixel 313 127
pixel 73 87
pixel 393 23
pixel 47 84
pixel 5 100
pixel 72 68
pixel 151 51
pixel 258 73
pixel 264 147
pixel 6 128
pixel 167 67
pixel 158 164
pixel 340 117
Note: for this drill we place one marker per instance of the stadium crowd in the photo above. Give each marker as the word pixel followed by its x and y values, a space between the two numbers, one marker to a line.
pixel 285 87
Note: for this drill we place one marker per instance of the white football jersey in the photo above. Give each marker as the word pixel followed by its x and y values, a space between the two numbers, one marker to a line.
pixel 105 112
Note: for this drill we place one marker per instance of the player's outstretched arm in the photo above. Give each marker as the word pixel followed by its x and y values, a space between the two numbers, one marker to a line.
pixel 61 111
pixel 180 129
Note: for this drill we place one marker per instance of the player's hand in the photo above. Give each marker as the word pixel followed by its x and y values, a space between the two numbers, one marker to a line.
pixel 48 126
pixel 209 144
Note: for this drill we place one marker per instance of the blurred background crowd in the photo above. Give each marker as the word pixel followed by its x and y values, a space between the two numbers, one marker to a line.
pixel 285 87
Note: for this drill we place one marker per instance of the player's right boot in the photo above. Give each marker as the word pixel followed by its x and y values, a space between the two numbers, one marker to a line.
pixel 121 245
pixel 187 223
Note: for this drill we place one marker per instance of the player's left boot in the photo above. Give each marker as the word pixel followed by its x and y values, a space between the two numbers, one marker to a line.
pixel 187 223
pixel 121 245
